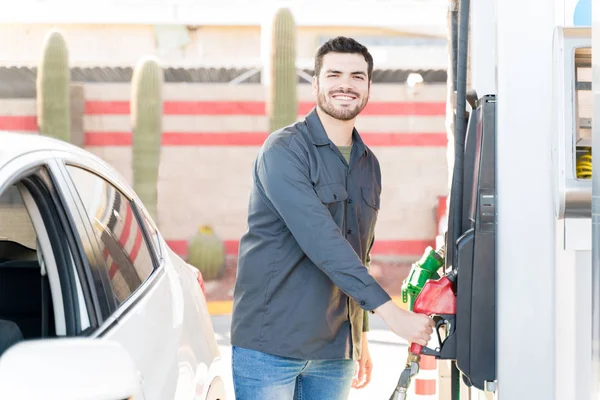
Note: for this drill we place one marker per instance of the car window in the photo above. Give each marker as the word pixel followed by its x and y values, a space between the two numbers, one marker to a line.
pixel 38 263
pixel 16 225
pixel 126 255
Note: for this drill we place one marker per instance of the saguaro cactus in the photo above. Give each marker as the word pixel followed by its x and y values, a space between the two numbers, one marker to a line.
pixel 206 251
pixel 282 101
pixel 52 84
pixel 146 118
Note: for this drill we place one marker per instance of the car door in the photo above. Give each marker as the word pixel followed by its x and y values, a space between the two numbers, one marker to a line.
pixel 144 297
pixel 67 308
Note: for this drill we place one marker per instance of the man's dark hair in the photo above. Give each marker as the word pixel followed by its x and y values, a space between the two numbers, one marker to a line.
pixel 342 44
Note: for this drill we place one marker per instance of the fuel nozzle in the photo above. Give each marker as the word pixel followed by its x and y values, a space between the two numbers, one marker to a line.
pixel 436 299
pixel 420 272
pixel 411 369
pixel 452 275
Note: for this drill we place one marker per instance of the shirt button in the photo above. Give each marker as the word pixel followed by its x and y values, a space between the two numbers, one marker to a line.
pixel 349 201
pixel 335 196
pixel 362 303
pixel 349 231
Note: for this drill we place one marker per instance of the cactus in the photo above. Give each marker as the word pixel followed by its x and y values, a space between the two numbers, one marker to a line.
pixel 282 102
pixel 207 253
pixel 146 119
pixel 52 85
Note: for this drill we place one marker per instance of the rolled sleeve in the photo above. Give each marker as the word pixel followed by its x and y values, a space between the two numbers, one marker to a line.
pixel 283 178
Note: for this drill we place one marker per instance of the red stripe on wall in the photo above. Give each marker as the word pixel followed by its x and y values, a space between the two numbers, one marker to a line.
pixel 257 139
pixel 401 247
pixel 405 139
pixel 214 139
pixel 392 108
pixel 442 207
pixel 18 123
pixel 258 108
pixel 382 247
pixel 107 139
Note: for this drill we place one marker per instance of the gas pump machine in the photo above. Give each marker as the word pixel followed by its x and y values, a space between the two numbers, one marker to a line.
pixel 462 300
pixel 456 285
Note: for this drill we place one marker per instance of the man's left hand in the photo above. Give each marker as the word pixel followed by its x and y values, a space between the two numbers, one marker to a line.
pixel 365 366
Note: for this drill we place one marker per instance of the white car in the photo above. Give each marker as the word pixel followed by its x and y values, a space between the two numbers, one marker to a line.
pixel 93 303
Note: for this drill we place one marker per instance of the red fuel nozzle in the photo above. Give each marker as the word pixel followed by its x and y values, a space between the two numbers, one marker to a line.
pixel 436 298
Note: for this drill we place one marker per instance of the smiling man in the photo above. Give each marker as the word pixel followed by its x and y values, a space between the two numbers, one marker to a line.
pixel 303 291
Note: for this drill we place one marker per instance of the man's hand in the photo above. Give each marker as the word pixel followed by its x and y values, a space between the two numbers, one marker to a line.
pixel 415 328
pixel 365 366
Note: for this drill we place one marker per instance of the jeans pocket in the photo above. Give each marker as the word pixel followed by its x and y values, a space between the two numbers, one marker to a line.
pixel 258 375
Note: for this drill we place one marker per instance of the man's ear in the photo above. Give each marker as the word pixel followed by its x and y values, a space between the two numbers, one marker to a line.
pixel 315 86
pixel 370 86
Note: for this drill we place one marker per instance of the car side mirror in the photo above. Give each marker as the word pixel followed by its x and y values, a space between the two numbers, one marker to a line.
pixel 70 368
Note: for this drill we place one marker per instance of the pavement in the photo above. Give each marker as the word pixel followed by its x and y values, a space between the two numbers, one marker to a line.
pixel 388 353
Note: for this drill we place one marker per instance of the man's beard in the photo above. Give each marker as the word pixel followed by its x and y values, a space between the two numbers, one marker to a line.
pixel 325 102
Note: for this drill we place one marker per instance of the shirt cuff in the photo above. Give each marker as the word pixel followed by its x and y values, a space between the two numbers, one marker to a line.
pixel 372 296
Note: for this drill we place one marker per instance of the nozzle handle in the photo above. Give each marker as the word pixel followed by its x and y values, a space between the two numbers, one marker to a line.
pixel 416 348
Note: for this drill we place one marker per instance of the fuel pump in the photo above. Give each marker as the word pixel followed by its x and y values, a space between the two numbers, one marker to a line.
pixel 463 300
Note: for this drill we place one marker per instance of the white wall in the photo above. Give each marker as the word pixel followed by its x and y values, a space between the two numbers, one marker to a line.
pixel 417 16
pixel 212 46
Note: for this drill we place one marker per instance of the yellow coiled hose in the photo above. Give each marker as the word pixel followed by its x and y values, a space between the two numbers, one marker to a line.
pixel 584 166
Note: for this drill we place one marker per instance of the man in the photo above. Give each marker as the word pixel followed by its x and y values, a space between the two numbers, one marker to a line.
pixel 303 293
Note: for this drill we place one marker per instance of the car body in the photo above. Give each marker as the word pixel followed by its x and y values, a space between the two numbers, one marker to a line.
pixel 80 257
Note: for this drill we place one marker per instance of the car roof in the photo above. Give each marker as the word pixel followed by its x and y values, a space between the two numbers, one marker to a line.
pixel 13 144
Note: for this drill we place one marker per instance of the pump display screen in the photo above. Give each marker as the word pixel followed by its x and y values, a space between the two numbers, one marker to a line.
pixel 573 111
pixel 584 99
pixel 583 112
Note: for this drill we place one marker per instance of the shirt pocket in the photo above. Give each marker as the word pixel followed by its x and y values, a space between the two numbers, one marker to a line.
pixel 371 197
pixel 370 204
pixel 333 196
pixel 331 193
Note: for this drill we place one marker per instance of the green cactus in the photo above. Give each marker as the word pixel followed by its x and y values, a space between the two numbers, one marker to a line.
pixel 146 118
pixel 52 85
pixel 282 102
pixel 206 252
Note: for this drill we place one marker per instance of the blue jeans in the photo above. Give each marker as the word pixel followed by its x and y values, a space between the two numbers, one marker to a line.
pixel 261 376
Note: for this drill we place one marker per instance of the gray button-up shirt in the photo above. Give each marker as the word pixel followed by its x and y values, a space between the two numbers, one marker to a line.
pixel 302 284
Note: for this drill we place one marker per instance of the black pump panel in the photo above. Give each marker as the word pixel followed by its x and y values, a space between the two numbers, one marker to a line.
pixel 476 251
pixel 469 169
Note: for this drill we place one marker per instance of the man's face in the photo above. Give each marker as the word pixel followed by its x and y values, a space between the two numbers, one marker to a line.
pixel 342 87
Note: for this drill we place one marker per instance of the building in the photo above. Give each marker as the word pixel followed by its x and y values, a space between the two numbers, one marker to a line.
pixel 214 118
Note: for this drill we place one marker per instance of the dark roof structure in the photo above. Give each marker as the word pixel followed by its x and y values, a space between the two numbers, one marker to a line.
pixel 19 82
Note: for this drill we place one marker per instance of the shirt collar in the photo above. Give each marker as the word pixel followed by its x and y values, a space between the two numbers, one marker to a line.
pixel 319 136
